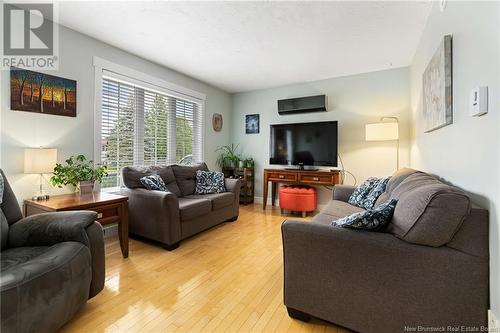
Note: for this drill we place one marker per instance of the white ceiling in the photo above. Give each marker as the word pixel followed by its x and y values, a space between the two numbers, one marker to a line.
pixel 241 46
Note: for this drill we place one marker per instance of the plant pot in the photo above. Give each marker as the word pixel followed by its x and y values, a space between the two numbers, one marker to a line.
pixel 230 165
pixel 87 186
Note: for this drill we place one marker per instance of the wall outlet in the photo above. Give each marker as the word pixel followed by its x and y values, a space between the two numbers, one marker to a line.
pixel 493 322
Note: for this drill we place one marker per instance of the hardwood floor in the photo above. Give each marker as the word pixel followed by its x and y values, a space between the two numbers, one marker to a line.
pixel 227 279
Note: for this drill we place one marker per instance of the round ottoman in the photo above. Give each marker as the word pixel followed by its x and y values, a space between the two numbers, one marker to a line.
pixel 297 199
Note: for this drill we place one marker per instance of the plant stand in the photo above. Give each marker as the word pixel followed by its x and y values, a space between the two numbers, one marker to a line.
pixel 247 177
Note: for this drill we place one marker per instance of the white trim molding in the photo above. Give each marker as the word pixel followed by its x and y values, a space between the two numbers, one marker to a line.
pixel 145 78
pixel 104 67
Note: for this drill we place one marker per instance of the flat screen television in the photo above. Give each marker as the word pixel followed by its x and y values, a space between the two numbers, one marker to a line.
pixel 304 144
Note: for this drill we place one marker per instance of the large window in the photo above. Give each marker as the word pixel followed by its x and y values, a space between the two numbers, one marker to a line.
pixel 144 126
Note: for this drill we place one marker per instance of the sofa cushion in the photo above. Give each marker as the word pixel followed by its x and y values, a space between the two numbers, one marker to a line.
pixel 393 182
pixel 132 176
pixel 186 177
pixel 428 212
pixel 19 255
pixel 372 219
pixel 218 200
pixel 191 208
pixel 209 182
pixel 42 288
pixel 339 209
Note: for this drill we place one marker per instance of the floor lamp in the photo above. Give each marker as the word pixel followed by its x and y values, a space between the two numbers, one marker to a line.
pixel 40 161
pixel 384 131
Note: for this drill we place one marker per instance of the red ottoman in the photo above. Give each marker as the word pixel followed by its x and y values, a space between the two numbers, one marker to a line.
pixel 298 199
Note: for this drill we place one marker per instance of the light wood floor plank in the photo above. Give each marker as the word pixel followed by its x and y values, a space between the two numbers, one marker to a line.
pixel 227 279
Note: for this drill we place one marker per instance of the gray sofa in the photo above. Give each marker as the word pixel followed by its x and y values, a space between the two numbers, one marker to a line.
pixel 51 264
pixel 429 268
pixel 169 217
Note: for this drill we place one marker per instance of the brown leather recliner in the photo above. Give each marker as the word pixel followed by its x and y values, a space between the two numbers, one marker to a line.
pixel 51 264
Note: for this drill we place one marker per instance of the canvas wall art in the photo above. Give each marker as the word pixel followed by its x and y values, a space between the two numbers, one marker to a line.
pixel 42 93
pixel 252 124
pixel 437 88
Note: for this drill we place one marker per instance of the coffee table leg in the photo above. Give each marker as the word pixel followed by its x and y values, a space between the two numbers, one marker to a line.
pixel 123 230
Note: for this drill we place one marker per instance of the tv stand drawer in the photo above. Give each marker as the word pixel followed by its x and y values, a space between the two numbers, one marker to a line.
pixel 283 176
pixel 316 179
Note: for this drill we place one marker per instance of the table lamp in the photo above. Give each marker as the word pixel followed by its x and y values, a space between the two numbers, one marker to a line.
pixel 384 131
pixel 40 161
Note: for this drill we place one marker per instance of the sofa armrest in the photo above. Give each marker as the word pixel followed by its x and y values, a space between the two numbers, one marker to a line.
pixel 342 192
pixel 326 265
pixel 51 228
pixel 154 214
pixel 232 185
pixel 47 229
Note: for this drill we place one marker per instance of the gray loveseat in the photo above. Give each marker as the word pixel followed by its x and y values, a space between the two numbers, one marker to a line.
pixel 51 264
pixel 169 217
pixel 429 268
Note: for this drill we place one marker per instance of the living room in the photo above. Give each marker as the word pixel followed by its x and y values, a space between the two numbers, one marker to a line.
pixel 146 105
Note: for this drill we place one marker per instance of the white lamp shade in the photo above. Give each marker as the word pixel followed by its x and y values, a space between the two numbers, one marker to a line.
pixel 382 131
pixel 39 160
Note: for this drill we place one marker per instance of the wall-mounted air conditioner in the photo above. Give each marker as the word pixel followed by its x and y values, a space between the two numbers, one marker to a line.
pixel 302 104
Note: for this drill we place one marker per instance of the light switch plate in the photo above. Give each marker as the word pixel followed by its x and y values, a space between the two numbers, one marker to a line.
pixel 478 102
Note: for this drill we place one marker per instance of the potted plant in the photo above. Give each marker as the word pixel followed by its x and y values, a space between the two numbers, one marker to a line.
pixel 78 172
pixel 249 162
pixel 228 158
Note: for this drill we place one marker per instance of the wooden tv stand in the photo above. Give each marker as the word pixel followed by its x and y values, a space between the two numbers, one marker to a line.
pixel 306 177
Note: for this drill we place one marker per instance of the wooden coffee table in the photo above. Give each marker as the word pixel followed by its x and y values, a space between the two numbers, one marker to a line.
pixel 110 208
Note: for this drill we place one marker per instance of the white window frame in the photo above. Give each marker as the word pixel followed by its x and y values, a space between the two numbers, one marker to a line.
pixel 151 82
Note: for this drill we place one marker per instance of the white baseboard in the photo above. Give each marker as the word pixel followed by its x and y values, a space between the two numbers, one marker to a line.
pixel 493 322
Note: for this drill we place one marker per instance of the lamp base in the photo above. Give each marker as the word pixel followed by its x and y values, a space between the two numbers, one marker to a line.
pixel 41 197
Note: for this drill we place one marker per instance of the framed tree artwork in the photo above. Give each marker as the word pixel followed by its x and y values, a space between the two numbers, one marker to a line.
pixel 252 124
pixel 437 88
pixel 42 93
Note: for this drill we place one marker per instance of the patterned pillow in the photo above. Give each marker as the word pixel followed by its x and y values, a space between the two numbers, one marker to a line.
pixel 377 189
pixel 154 182
pixel 209 182
pixel 372 219
pixel 358 196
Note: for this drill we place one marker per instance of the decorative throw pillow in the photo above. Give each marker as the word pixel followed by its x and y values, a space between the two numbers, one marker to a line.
pixel 209 182
pixel 377 189
pixel 372 219
pixel 358 196
pixel 154 182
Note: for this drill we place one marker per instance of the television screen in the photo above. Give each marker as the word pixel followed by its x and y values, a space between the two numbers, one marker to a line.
pixel 313 144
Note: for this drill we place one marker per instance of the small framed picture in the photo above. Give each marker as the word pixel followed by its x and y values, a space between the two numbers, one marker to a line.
pixel 252 124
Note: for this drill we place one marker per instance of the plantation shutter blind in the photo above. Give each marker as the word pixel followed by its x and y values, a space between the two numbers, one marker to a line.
pixel 141 125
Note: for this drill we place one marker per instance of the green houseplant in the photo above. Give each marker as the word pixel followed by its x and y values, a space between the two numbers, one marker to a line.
pixel 228 156
pixel 78 172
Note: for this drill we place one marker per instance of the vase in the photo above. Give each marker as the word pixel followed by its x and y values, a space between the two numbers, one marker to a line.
pixel 86 186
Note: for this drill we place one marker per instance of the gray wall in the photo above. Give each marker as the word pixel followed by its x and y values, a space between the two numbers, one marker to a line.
pixel 353 100
pixel 466 152
pixel 76 135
